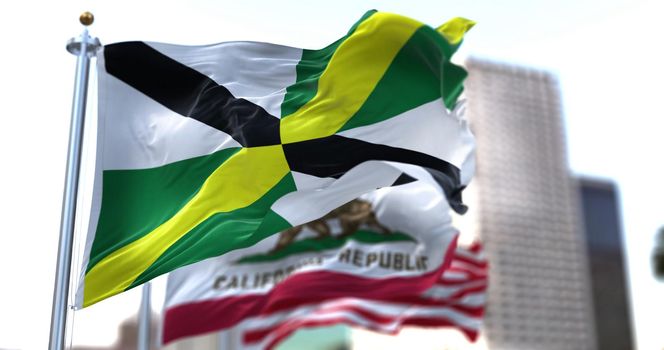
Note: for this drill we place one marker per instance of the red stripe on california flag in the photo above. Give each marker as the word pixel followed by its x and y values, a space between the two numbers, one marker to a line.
pixel 303 288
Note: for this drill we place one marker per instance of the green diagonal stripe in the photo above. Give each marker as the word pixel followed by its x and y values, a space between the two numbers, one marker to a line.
pixel 135 202
pixel 224 232
pixel 309 69
pixel 420 73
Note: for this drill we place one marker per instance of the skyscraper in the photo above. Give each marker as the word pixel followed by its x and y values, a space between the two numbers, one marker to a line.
pixel 607 264
pixel 527 212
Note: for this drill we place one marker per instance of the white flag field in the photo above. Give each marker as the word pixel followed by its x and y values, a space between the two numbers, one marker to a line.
pixel 386 261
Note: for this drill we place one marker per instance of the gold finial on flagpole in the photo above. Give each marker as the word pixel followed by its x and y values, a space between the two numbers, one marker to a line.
pixel 86 18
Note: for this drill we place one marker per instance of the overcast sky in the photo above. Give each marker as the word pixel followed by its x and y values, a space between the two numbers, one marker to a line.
pixel 607 54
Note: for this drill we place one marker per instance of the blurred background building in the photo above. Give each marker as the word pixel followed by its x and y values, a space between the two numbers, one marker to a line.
pixel 607 264
pixel 557 270
pixel 128 336
pixel 658 255
pixel 554 243
pixel 528 212
pixel 323 338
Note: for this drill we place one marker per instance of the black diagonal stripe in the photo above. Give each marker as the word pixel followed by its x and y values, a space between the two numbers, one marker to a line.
pixel 190 93
pixel 403 179
pixel 333 156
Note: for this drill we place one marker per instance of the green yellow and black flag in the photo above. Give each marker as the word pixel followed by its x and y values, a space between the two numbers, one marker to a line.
pixel 207 149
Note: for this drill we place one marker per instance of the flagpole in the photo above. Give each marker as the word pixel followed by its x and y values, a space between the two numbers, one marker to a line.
pixel 144 318
pixel 83 47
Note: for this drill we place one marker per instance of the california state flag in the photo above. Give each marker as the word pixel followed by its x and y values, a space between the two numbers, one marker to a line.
pixel 387 260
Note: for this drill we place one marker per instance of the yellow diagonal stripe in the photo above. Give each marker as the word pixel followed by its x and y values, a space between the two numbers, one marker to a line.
pixel 353 72
pixel 454 29
pixel 240 181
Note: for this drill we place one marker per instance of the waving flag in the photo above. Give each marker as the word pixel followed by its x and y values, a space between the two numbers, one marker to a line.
pixel 205 150
pixel 378 277
pixel 457 301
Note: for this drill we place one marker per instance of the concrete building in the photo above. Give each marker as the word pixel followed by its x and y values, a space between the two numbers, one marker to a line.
pixel 527 212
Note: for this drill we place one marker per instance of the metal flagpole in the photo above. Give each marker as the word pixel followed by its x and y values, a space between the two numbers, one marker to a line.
pixel 83 47
pixel 144 318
